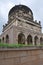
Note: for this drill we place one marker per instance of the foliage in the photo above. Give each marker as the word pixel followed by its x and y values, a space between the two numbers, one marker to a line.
pixel 13 45
pixel 16 45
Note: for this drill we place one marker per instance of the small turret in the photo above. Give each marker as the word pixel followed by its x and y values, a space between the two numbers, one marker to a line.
pixel 35 21
pixel 40 22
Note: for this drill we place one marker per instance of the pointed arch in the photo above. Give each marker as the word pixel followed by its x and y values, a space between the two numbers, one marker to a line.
pixel 0 40
pixel 36 40
pixel 3 39
pixel 7 38
pixel 41 40
pixel 21 38
pixel 29 39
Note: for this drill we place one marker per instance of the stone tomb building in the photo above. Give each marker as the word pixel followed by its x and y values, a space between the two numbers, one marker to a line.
pixel 21 27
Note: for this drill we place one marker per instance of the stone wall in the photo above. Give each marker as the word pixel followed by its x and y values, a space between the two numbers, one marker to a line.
pixel 21 56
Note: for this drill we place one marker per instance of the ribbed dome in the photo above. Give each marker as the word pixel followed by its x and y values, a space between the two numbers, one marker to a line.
pixel 20 7
pixel 28 14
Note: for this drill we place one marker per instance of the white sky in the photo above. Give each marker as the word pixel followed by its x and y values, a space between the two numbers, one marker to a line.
pixel 35 5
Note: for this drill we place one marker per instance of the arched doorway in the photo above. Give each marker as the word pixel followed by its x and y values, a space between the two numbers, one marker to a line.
pixel 7 39
pixel 41 40
pixel 21 38
pixel 36 40
pixel 3 39
pixel 29 39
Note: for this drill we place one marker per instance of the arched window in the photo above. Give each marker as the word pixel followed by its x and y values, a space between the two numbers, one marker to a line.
pixel 36 40
pixel 41 40
pixel 29 39
pixel 7 39
pixel 21 38
pixel 3 39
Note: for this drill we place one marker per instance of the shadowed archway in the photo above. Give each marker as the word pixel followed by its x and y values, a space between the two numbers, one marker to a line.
pixel 41 40
pixel 21 38
pixel 36 40
pixel 0 40
pixel 3 39
pixel 7 38
pixel 29 39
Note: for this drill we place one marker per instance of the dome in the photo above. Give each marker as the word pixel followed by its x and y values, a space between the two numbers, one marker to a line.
pixel 17 7
pixel 23 8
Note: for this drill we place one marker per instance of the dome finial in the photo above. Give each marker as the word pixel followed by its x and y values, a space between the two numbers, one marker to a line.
pixel 20 3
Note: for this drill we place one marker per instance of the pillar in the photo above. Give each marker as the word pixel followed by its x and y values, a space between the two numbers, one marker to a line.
pixel 33 40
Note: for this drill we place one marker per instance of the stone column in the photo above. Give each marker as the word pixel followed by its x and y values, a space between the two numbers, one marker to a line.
pixel 26 40
pixel 4 40
pixel 38 40
pixel 33 40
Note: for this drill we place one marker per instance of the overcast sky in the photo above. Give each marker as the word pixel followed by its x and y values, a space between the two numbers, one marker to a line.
pixel 35 5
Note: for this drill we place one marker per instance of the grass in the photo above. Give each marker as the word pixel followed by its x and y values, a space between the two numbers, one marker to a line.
pixel 13 45
pixel 16 45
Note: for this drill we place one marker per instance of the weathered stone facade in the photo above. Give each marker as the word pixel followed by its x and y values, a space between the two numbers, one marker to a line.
pixel 21 27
